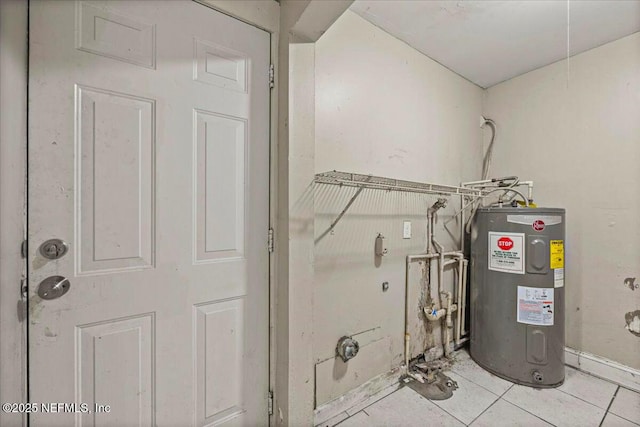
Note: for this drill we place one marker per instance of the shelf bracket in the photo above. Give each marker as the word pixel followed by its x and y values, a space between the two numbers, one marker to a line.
pixel 344 211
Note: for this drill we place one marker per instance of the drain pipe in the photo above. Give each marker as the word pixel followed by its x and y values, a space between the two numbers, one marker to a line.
pixel 456 335
pixel 448 324
pixel 444 329
pixel 407 336
pixel 431 315
pixel 445 312
pixel 441 203
pixel 429 231
pixel 463 300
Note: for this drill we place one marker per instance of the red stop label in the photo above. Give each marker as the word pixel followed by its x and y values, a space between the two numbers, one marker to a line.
pixel 505 243
pixel 538 225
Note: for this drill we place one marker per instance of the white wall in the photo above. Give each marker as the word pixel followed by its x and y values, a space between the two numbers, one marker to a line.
pixel 574 128
pixel 382 108
pixel 13 134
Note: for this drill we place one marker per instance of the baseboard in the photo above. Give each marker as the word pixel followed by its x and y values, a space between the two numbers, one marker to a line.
pixel 603 368
pixel 376 387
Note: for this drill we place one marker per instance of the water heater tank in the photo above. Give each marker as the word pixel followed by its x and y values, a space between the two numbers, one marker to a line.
pixel 517 294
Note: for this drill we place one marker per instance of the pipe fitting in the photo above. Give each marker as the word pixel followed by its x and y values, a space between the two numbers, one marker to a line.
pixel 439 204
pixel 432 314
pixel 447 296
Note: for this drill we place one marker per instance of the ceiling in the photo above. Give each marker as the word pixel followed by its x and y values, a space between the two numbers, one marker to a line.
pixel 491 41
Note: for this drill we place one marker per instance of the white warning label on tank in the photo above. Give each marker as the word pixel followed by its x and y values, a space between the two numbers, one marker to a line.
pixel 506 252
pixel 558 277
pixel 535 306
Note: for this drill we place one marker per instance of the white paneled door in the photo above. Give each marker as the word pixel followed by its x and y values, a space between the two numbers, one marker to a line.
pixel 149 159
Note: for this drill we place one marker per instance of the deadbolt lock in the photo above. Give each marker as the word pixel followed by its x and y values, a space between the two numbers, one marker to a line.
pixel 54 249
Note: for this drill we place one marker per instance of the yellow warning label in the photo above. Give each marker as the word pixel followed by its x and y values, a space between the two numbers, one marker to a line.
pixel 557 253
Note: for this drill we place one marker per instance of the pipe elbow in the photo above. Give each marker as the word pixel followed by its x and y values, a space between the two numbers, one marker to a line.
pixel 437 245
pixel 433 314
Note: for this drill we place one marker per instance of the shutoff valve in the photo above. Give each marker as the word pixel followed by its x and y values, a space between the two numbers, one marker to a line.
pixel 347 348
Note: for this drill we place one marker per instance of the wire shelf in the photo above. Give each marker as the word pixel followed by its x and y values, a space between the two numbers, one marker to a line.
pixel 390 184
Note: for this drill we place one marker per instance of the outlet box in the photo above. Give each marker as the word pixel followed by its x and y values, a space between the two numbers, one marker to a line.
pixel 406 230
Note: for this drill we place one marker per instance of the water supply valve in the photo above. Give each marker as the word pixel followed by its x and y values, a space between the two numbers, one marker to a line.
pixel 537 377
pixel 347 348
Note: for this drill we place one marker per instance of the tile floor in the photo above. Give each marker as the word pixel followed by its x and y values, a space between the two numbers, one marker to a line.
pixel 483 399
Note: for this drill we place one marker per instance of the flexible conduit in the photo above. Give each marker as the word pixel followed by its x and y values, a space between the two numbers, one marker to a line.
pixel 486 163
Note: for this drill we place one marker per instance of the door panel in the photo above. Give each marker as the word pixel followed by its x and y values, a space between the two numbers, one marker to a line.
pixel 220 147
pixel 114 149
pixel 149 156
pixel 216 323
pixel 115 364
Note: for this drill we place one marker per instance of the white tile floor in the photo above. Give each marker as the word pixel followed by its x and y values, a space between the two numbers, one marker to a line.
pixel 483 399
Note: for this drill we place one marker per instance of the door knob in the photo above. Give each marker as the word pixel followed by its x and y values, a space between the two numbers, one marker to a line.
pixel 53 287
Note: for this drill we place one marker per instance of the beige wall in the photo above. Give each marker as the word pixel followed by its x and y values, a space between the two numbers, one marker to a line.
pixel 301 21
pixel 382 108
pixel 301 137
pixel 574 128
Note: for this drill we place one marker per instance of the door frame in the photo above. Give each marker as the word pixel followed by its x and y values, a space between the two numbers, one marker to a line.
pixel 13 186
pixel 13 219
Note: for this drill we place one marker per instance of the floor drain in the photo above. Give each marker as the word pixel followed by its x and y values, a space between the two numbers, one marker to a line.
pixel 441 388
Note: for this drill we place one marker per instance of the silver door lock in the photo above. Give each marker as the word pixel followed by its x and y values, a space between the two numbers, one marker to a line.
pixel 53 287
pixel 54 249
